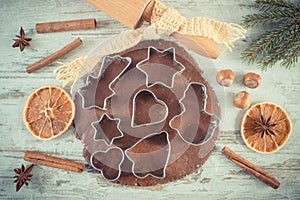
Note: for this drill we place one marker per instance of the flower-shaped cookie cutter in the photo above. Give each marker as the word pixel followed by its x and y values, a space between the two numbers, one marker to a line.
pixel 213 124
pixel 150 157
pixel 92 80
pixel 158 101
pixel 170 52
pixel 99 133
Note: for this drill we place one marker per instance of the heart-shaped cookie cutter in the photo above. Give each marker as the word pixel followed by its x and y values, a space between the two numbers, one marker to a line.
pixel 157 100
pixel 102 169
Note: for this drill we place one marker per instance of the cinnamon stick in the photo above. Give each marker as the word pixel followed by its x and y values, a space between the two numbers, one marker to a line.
pixel 56 55
pixel 51 161
pixel 70 25
pixel 252 169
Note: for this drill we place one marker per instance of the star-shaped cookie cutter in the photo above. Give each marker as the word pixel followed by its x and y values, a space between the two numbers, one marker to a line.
pixel 169 51
pixel 91 80
pixel 96 126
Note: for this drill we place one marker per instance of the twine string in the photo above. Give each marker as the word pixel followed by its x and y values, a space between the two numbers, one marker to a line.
pixel 170 19
pixel 163 19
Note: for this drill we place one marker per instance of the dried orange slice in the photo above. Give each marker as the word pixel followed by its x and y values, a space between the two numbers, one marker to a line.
pixel 48 112
pixel 266 127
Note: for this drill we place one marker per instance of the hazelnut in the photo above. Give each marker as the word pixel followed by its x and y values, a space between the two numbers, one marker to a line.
pixel 242 100
pixel 225 77
pixel 252 80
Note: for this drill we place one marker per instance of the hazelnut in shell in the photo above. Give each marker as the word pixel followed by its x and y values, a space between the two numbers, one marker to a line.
pixel 225 77
pixel 252 80
pixel 242 100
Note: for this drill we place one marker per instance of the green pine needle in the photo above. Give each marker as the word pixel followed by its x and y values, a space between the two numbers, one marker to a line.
pixel 265 18
pixel 281 42
pixel 267 5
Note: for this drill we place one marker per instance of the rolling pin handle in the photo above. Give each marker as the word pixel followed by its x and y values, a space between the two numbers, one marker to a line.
pixel 146 16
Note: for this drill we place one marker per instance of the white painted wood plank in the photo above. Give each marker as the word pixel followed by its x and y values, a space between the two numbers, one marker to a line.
pixel 218 179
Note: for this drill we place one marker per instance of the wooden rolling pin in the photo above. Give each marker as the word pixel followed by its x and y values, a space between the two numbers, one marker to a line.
pixel 132 13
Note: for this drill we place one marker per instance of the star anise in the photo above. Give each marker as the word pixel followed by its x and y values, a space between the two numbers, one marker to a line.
pixel 264 126
pixel 23 176
pixel 22 41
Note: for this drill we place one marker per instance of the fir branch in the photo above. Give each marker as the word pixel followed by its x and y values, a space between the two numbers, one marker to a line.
pixel 267 5
pixel 280 43
pixel 267 40
pixel 279 51
pixel 264 18
pixel 292 59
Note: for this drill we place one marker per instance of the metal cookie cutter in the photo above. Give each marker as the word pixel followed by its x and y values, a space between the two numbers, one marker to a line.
pixel 150 157
pixel 105 119
pixel 160 102
pixel 214 119
pixel 92 81
pixel 105 158
pixel 168 72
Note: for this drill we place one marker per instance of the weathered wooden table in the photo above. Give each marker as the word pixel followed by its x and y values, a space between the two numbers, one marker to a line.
pixel 218 179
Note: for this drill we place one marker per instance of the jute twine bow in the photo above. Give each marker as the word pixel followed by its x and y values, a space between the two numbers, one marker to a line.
pixel 168 19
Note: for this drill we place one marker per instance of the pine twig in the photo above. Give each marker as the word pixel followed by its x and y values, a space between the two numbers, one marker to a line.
pixel 264 18
pixel 280 52
pixel 262 44
pixel 293 57
pixel 281 42
pixel 266 5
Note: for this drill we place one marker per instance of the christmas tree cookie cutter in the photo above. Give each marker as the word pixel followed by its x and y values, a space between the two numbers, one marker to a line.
pixel 214 121
pixel 146 65
pixel 157 101
pixel 107 64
